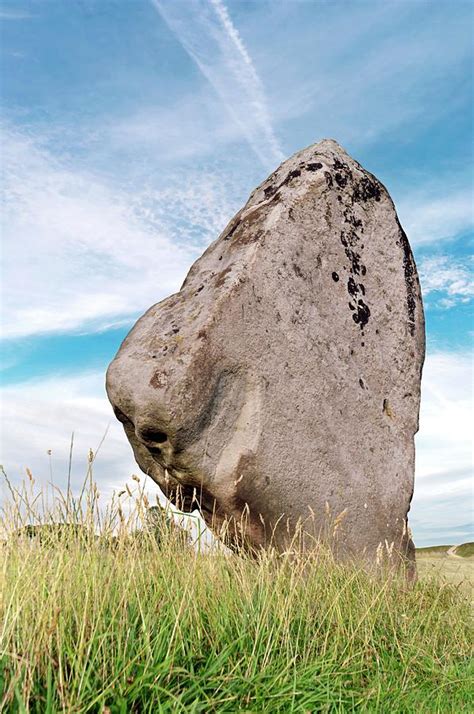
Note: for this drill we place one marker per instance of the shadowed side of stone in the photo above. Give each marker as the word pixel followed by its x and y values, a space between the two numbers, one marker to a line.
pixel 282 382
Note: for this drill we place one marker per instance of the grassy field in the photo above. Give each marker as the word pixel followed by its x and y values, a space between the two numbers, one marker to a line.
pixel 124 623
pixel 455 569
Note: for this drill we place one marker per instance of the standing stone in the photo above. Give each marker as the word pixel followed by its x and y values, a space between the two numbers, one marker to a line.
pixel 282 382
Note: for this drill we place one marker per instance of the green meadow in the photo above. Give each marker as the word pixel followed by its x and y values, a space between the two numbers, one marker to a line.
pixel 109 615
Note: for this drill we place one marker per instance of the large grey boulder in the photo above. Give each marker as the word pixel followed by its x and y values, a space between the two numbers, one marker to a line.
pixel 281 384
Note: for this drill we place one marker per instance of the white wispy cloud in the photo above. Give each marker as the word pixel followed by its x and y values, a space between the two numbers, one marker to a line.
pixel 15 14
pixel 207 33
pixel 41 415
pixel 80 251
pixel 437 215
pixel 450 279
pixel 190 127
pixel 443 502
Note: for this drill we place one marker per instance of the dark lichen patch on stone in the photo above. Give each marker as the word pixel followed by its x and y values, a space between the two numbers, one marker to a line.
pixel 328 178
pixel 365 189
pixel 356 266
pixel 338 164
pixel 360 310
pixel 411 280
pixel 357 305
pixel 350 217
pixel 361 317
pixel 314 166
pixel 352 287
pixel 343 173
pixel 340 179
pixel 270 191
pixel 292 175
pixel 174 329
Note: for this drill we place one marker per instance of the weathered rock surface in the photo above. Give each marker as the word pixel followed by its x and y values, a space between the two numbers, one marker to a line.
pixel 283 379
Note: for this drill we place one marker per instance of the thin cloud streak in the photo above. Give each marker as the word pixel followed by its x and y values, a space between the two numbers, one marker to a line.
pixel 106 253
pixel 438 215
pixel 6 14
pixel 207 33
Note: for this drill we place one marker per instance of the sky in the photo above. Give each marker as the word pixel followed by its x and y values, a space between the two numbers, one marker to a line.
pixel 132 131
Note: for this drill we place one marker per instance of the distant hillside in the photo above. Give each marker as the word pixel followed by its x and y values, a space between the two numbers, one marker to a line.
pixel 466 550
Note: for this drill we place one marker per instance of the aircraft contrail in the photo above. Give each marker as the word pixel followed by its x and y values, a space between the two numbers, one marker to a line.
pixel 205 30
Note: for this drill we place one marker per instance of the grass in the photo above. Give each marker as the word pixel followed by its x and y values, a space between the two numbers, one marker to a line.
pixel 455 569
pixel 106 617
pixel 466 550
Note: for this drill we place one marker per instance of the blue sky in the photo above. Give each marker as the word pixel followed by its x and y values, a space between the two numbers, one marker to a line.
pixel 134 129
